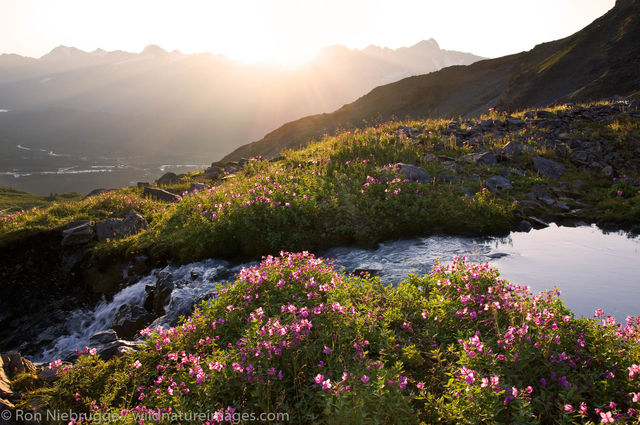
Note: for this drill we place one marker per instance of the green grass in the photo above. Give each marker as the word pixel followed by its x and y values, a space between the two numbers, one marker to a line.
pixel 338 191
pixel 12 200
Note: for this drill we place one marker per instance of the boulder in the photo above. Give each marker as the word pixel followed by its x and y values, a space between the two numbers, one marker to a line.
pixel 77 233
pixel 411 172
pixel 107 279
pixel 161 195
pixel 14 364
pixel 130 319
pixel 213 172
pixel 548 168
pixel 538 223
pixel 515 123
pixel 142 184
pixel 167 179
pixel 607 171
pixel 198 187
pixel 429 157
pixel 5 383
pixel 510 150
pixel 497 183
pixel 545 115
pixel 48 374
pixel 486 124
pixel 117 348
pixel 103 337
pixel 118 228
pixel 482 158
pixel 162 292
pixel 524 226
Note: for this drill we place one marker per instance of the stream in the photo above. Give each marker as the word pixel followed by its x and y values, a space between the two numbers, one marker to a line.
pixel 593 270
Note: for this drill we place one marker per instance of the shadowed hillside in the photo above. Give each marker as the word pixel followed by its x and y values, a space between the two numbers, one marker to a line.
pixel 602 60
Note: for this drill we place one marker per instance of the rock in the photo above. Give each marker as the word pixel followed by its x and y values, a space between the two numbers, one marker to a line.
pixel 103 337
pixel 366 271
pixel 117 348
pixel 77 234
pixel 198 187
pixel 130 319
pixel 71 259
pixel 483 158
pixel 579 157
pixel 142 184
pixel 445 158
pixel 429 157
pixel 510 150
pixel 213 172
pixel 5 383
pixel 448 179
pixel 412 172
pixel 48 374
pixel 242 162
pixel 161 195
pixel 107 279
pixel 497 183
pixel 529 205
pixel 517 172
pixel 14 364
pixel 116 228
pixel 607 171
pixel 524 226
pixel 538 223
pixel 162 294
pixel 486 124
pixel 545 114
pixel 515 123
pixel 548 168
pixel 168 179
pixel 150 290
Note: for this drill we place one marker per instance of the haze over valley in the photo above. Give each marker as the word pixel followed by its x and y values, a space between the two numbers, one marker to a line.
pixel 75 120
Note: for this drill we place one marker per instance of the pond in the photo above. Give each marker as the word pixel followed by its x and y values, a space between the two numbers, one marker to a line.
pixel 593 269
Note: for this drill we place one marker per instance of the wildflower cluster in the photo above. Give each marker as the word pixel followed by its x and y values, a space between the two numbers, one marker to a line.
pixel 296 335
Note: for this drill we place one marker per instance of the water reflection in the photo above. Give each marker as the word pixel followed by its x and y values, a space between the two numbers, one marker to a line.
pixel 592 269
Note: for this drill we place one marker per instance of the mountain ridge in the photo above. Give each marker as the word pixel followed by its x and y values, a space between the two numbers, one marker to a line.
pixel 150 103
pixel 565 70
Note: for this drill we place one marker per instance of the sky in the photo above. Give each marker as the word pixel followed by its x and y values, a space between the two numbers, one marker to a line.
pixel 289 31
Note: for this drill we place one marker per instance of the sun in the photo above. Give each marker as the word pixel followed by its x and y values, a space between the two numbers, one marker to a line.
pixel 270 53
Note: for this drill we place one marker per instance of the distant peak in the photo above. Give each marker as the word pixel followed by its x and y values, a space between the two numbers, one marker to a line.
pixel 154 50
pixel 430 43
pixel 99 52
pixel 62 52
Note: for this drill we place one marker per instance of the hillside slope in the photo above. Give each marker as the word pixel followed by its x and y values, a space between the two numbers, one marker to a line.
pixel 602 60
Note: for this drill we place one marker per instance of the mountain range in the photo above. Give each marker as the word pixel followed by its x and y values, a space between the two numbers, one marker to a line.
pixel 152 101
pixel 602 60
